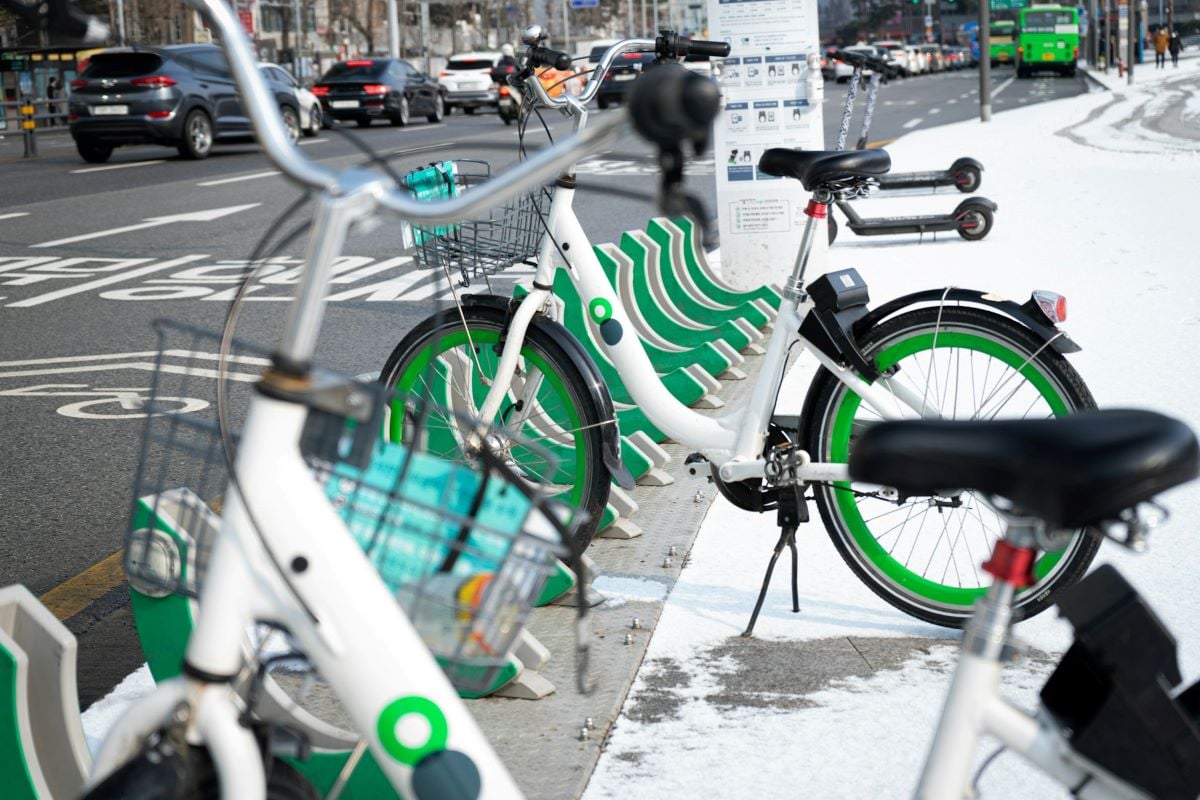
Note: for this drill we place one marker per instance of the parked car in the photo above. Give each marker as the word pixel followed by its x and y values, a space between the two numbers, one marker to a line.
pixel 828 64
pixel 616 81
pixel 180 96
pixel 367 89
pixel 896 55
pixel 312 116
pixel 917 58
pixel 467 78
pixel 935 60
pixel 842 71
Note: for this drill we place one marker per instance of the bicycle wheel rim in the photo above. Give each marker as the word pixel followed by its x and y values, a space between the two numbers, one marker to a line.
pixel 887 560
pixel 555 425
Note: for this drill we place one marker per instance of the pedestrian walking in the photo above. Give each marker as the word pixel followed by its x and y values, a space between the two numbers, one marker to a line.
pixel 1161 39
pixel 1175 45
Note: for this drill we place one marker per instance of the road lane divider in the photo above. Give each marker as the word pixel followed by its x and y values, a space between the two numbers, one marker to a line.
pixel 78 592
pixel 912 123
pixel 119 166
pixel 14 215
pixel 251 177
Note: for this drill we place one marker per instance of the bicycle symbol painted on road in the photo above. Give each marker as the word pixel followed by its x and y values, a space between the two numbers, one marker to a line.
pixel 115 403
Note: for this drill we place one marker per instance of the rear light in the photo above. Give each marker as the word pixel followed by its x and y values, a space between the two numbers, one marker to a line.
pixel 1052 305
pixel 320 91
pixel 158 114
pixel 1020 50
pixel 503 90
pixel 78 83
pixel 363 63
pixel 443 74
pixel 154 81
pixel 72 117
pixel 1075 55
pixel 375 88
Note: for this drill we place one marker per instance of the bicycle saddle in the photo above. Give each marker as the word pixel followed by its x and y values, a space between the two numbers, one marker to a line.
pixel 1070 471
pixel 816 167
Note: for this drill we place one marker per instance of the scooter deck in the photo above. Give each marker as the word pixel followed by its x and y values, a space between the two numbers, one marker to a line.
pixel 916 180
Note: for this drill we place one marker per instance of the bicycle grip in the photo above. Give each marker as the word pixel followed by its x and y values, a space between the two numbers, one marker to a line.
pixel 702 47
pixel 670 105
pixel 545 57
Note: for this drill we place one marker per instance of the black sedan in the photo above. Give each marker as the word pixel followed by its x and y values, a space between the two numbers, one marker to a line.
pixel 366 89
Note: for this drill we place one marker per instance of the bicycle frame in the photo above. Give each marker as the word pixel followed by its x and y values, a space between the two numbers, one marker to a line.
pixel 733 440
pixel 974 707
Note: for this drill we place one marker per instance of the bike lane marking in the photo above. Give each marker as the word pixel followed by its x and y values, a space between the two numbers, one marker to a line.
pixel 105 281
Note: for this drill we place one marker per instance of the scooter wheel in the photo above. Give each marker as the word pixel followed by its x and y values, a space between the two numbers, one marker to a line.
pixel 974 222
pixel 967 179
pixel 833 228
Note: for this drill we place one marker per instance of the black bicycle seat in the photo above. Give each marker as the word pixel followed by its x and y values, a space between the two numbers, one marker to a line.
pixel 814 168
pixel 1070 471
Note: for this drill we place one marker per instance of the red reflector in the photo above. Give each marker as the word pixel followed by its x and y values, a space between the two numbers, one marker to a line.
pixel 375 88
pixel 1060 308
pixel 1053 305
pixel 159 114
pixel 78 83
pixel 320 91
pixel 155 81
pixel 362 63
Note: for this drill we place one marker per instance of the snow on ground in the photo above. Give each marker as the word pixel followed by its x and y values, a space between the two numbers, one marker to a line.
pixel 1111 231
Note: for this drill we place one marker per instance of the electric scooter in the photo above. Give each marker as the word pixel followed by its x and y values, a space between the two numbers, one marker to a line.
pixel 965 173
pixel 972 218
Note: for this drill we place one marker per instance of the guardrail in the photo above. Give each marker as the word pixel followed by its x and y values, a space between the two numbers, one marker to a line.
pixel 29 115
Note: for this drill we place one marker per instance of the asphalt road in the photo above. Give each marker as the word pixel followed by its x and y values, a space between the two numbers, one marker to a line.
pixel 90 255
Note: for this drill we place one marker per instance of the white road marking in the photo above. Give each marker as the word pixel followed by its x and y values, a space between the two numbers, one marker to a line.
pixel 153 222
pixel 951 101
pixel 935 111
pixel 912 123
pixel 252 177
pixel 105 281
pixel 120 166
pixel 306 142
pixel 14 215
pixel 421 149
pixel 1003 86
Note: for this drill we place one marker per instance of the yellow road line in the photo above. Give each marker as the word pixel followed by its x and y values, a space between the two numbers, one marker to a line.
pixel 77 593
pixel 880 143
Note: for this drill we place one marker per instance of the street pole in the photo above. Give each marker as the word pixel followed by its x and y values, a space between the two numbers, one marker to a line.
pixel 566 27
pixel 985 62
pixel 425 35
pixel 299 35
pixel 1131 34
pixel 643 31
pixel 629 21
pixel 393 29
pixel 121 22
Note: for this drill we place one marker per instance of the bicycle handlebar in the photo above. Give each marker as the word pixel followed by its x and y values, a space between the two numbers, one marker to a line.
pixel 545 57
pixel 669 44
pixel 863 60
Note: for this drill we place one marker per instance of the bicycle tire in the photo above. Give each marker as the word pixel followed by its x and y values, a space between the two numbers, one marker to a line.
pixel 928 344
pixel 566 420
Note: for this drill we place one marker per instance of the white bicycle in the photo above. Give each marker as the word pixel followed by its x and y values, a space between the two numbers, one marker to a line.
pixel 945 353
pixel 1113 723
pixel 362 551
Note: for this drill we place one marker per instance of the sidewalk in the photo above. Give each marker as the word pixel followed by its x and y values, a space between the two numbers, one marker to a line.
pixel 840 700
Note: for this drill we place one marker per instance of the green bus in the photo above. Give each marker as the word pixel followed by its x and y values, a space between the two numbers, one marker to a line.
pixel 1047 38
pixel 1003 42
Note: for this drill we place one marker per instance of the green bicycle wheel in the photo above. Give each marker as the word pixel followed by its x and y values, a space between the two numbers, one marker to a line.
pixel 549 405
pixel 923 554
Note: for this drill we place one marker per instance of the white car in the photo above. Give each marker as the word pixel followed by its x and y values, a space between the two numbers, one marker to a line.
pixel 842 71
pixel 468 81
pixel 896 55
pixel 919 61
pixel 312 118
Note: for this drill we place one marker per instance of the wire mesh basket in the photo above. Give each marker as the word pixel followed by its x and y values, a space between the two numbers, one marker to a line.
pixel 476 248
pixel 464 545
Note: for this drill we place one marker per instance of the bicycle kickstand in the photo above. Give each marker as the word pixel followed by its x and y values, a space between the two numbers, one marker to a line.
pixel 792 511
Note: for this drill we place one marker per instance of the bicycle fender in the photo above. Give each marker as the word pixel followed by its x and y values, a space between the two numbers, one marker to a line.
pixel 1041 328
pixel 965 162
pixel 610 434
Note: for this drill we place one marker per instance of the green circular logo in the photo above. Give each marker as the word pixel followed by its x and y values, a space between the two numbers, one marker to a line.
pixel 600 309
pixel 402 707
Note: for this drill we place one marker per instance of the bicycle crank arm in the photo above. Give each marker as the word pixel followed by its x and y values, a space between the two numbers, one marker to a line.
pixel 813 472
